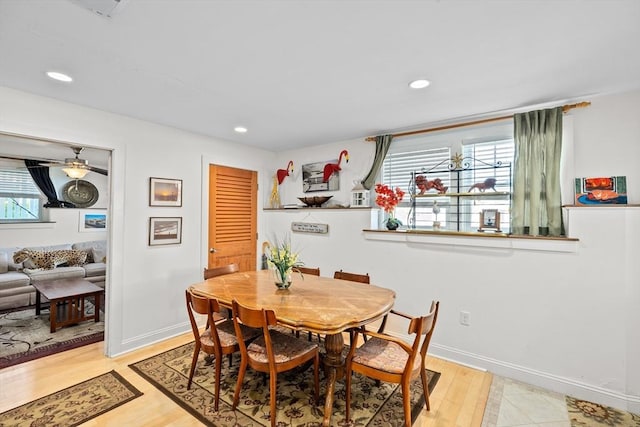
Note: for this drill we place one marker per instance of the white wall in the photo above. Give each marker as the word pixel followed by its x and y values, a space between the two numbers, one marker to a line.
pixel 567 321
pixel 145 284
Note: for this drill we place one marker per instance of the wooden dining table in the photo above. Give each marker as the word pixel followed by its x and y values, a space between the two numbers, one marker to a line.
pixel 317 304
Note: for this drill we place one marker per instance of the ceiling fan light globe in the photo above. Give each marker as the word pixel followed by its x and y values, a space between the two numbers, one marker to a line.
pixel 75 172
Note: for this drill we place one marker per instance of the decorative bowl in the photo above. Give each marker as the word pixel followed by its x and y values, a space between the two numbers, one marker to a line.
pixel 314 201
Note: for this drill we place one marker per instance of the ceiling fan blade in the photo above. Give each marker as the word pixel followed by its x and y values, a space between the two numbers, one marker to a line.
pixel 98 170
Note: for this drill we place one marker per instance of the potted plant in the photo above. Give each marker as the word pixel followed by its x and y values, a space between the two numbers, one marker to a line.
pixel 388 199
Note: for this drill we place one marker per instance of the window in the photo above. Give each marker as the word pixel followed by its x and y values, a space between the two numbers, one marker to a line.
pixel 20 198
pixel 486 146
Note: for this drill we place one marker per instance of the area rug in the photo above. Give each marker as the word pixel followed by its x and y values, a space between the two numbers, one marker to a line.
pixel 25 336
pixel 589 414
pixel 372 405
pixel 74 405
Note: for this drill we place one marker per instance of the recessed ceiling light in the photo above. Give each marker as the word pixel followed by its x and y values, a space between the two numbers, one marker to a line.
pixel 240 129
pixel 59 76
pixel 419 84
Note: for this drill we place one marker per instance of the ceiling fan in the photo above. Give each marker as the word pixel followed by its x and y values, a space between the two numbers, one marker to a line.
pixel 74 167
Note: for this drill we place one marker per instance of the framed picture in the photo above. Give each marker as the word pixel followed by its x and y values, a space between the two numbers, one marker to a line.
pixel 313 178
pixel 595 191
pixel 489 220
pixel 165 192
pixel 165 231
pixel 92 220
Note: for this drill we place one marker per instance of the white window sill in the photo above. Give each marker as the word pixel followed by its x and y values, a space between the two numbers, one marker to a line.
pixel 482 240
pixel 28 225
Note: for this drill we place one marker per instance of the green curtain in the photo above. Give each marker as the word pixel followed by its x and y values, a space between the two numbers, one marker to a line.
pixel 383 142
pixel 537 203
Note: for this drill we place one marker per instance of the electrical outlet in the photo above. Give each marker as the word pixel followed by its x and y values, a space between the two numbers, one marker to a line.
pixel 464 318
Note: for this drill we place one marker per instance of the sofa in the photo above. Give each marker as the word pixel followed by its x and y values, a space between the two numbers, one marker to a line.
pixel 16 279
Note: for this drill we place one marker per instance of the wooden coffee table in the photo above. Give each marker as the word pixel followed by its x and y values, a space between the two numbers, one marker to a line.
pixel 68 295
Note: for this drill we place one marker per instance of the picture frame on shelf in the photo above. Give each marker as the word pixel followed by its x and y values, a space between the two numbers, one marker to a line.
pixel 165 192
pixel 489 220
pixel 92 220
pixel 165 231
pixel 313 178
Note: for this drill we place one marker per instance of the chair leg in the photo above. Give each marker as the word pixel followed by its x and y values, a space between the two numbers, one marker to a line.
pixel 316 376
pixel 425 387
pixel 347 390
pixel 217 386
pixel 273 379
pixel 241 371
pixel 406 403
pixel 194 360
pixel 230 357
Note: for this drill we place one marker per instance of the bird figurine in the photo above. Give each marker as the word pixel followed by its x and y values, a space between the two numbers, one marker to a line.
pixel 331 168
pixel 435 209
pixel 283 173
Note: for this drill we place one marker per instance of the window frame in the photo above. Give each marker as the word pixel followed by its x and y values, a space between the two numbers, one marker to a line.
pixel 455 140
pixel 25 188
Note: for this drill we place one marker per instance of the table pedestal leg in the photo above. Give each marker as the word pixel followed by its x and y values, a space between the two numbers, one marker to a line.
pixel 334 370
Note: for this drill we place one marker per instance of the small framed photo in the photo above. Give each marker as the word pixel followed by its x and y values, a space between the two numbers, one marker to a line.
pixel 165 231
pixel 165 192
pixel 92 220
pixel 489 220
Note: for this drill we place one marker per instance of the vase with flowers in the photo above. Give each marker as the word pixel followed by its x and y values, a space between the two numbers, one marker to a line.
pixel 388 199
pixel 282 261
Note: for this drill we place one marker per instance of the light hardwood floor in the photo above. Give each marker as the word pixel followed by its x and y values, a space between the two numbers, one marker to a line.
pixel 458 399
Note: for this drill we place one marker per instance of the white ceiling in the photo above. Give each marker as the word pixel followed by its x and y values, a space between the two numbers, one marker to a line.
pixel 303 72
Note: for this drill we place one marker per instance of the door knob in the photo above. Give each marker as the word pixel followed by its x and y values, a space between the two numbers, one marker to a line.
pixel 212 250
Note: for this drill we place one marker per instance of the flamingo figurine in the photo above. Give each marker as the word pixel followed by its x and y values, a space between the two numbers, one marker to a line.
pixel 283 173
pixel 331 168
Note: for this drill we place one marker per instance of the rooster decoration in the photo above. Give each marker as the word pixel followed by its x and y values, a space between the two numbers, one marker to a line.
pixel 331 168
pixel 278 178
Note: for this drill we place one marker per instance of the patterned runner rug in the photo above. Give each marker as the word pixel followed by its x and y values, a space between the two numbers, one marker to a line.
pixel 25 336
pixel 74 405
pixel 371 404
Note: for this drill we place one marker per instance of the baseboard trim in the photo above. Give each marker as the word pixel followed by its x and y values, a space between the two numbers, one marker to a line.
pixel 155 337
pixel 545 380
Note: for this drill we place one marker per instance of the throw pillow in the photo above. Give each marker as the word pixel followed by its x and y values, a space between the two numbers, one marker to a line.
pixel 4 262
pixel 99 254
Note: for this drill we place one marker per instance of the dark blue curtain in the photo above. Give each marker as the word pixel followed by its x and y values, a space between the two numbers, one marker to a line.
pixel 40 175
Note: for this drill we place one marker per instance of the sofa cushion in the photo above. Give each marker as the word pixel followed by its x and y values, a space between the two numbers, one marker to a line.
pixel 12 266
pixel 39 275
pixel 97 250
pixel 4 262
pixel 13 279
pixel 95 269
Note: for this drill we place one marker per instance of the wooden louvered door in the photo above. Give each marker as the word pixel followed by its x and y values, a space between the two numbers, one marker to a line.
pixel 233 205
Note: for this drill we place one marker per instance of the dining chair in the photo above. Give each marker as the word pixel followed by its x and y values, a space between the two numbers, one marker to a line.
pixel 272 352
pixel 219 271
pixel 352 277
pixel 218 338
pixel 309 270
pixel 360 278
pixel 387 358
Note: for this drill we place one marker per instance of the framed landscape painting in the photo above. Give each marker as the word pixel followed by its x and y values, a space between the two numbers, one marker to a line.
pixel 92 220
pixel 165 192
pixel 313 178
pixel 165 231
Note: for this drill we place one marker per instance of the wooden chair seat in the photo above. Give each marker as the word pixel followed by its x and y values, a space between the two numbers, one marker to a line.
pixel 385 356
pixel 284 348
